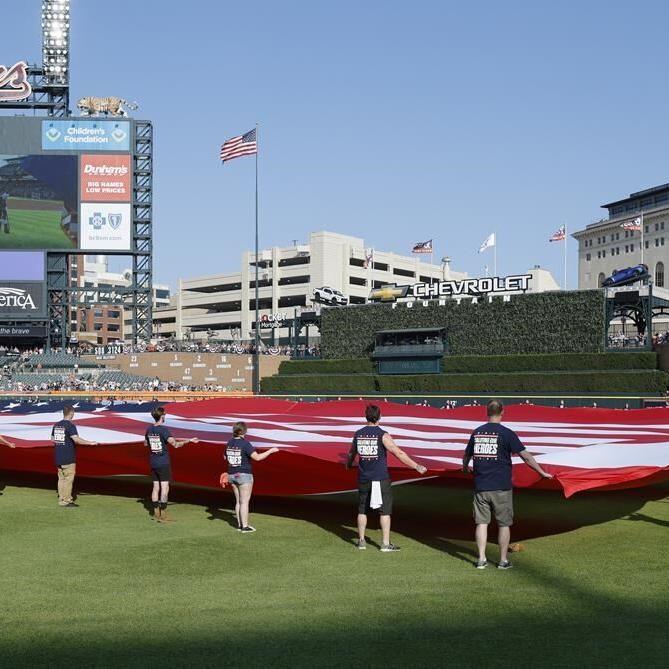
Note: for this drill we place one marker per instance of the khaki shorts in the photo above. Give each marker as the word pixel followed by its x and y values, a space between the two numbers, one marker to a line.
pixel 499 502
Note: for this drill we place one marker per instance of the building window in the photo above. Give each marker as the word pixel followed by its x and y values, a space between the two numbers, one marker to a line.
pixel 357 300
pixel 646 243
pixel 356 262
pixel 661 241
pixel 114 314
pixel 657 241
pixel 357 281
pixel 599 254
pixel 631 248
pixel 646 229
pixel 600 279
pixel 617 236
pixel 297 260
pixel 604 253
pixel 662 225
pixel 381 266
pixel 291 280
pixel 659 275
pixel 293 301
pixel 404 272
pixel 627 248
pixel 588 257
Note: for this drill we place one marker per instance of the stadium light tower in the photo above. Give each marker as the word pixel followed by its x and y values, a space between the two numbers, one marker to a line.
pixel 56 41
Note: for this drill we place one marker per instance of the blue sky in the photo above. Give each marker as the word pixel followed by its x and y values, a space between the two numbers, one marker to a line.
pixel 393 121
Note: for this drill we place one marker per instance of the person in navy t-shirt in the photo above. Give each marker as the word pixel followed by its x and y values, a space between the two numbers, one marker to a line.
pixel 240 453
pixel 492 446
pixel 157 438
pixel 65 440
pixel 371 445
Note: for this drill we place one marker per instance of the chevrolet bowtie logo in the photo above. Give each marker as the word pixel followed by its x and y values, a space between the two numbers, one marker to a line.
pixel 388 293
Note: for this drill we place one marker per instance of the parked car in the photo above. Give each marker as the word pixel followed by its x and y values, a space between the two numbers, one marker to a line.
pixel 328 295
pixel 623 277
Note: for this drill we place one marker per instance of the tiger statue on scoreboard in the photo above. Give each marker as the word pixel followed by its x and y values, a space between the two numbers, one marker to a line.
pixel 92 106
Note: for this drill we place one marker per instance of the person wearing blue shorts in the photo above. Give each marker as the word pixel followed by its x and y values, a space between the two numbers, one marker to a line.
pixel 239 452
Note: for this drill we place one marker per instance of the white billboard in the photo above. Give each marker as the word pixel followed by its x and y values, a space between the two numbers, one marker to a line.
pixel 105 226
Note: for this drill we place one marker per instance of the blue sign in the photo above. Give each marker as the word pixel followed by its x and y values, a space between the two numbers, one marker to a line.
pixel 86 135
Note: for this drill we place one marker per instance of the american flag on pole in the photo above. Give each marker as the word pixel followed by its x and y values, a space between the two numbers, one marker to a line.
pixel 634 224
pixel 559 235
pixel 241 145
pixel 423 247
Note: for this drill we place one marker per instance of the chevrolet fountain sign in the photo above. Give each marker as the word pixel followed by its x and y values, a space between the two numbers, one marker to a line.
pixel 467 288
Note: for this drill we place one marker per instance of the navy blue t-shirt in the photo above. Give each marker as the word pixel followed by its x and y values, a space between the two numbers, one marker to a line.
pixel 156 440
pixel 238 454
pixel 491 446
pixel 64 448
pixel 372 454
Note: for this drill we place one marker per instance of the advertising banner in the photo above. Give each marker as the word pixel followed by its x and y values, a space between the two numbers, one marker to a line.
pixel 38 331
pixel 79 135
pixel 105 178
pixel 22 299
pixel 105 226
pixel 22 266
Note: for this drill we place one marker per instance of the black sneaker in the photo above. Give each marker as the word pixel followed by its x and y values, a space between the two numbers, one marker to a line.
pixel 247 529
pixel 71 505
pixel 389 548
pixel 361 544
pixel 481 564
pixel 505 565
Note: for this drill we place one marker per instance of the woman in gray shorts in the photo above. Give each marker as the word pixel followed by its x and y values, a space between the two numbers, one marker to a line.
pixel 239 453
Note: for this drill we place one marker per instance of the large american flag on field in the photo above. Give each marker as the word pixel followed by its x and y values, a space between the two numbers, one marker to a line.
pixel 241 145
pixel 583 448
pixel 559 235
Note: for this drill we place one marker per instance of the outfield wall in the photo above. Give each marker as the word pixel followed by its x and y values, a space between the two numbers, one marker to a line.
pixel 560 322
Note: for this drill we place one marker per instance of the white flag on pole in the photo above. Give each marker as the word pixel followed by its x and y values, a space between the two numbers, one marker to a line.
pixel 487 243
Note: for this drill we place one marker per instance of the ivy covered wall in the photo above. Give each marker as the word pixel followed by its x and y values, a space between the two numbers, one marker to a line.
pixel 569 322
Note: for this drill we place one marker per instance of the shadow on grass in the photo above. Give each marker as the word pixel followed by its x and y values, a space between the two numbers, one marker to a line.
pixel 437 514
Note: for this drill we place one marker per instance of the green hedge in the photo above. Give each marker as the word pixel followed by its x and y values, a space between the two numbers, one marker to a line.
pixel 549 362
pixel 559 322
pixel 617 382
pixel 356 366
pixel 540 362
pixel 358 383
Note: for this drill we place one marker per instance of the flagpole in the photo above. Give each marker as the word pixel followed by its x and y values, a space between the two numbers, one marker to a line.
pixel 565 257
pixel 494 264
pixel 256 361
pixel 642 236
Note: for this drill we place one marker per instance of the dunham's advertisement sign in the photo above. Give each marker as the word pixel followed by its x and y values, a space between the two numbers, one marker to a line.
pixel 474 289
pixel 105 178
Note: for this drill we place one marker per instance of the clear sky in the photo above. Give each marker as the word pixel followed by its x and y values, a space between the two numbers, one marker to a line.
pixel 393 121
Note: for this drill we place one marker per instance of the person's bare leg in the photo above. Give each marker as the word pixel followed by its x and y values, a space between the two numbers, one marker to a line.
pixel 503 538
pixel 385 529
pixel 155 498
pixel 235 489
pixel 244 499
pixel 362 526
pixel 481 540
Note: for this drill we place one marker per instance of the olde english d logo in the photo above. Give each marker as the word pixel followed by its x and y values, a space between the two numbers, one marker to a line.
pixel 14 84
pixel 115 221
pixel 16 298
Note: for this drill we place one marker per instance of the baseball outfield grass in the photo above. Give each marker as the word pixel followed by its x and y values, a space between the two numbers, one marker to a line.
pixel 104 586
pixel 34 230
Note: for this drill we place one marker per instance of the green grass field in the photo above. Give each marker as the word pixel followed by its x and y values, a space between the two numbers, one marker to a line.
pixel 34 230
pixel 104 586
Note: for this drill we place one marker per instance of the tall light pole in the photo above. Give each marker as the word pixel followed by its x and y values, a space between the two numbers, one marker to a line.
pixel 56 41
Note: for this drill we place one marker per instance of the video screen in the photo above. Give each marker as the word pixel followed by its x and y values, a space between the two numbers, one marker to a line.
pixel 39 202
